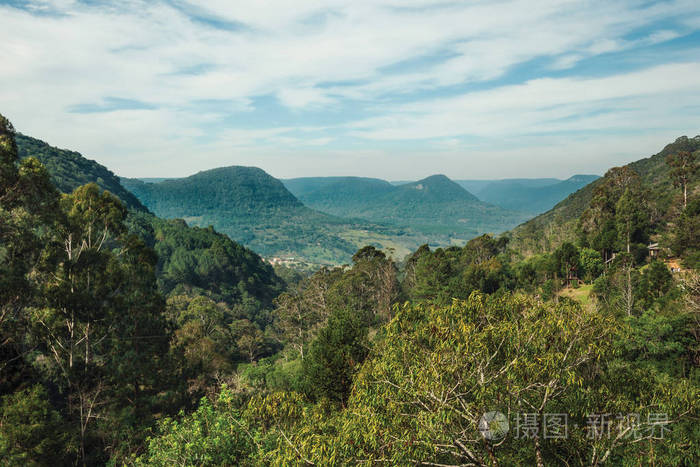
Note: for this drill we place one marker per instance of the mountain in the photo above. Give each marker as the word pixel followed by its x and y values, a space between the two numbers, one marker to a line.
pixel 253 208
pixel 533 198
pixel 241 191
pixel 475 186
pixel 189 259
pixel 550 229
pixel 314 190
pixel 435 205
pixel 69 169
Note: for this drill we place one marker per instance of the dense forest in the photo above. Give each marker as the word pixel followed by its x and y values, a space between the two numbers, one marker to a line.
pixel 126 339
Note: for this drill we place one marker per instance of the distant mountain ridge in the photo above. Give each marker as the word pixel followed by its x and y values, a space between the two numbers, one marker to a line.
pixel 433 205
pixel 530 196
pixel 532 199
pixel 475 186
pixel 251 207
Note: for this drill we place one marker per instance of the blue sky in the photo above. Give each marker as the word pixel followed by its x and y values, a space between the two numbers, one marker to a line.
pixel 397 89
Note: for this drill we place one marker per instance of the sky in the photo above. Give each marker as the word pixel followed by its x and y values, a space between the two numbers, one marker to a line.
pixel 396 89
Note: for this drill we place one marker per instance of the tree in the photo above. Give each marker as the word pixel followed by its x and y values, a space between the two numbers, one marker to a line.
pixel 683 166
pixel 28 205
pixel 591 263
pixel 631 217
pixel 420 398
pixel 301 311
pixel 98 321
pixel 686 241
pixel 567 260
pixel 599 221
pixel 31 430
pixel 335 356
pixel 249 339
pixel 214 434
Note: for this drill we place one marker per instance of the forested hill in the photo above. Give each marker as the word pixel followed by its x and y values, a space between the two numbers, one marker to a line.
pixel 69 169
pixel 434 205
pixel 241 190
pixel 191 261
pixel 558 225
pixel 315 190
pixel 251 207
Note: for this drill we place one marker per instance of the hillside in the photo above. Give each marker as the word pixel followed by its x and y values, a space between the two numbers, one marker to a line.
pixel 435 205
pixel 337 195
pixel 550 229
pixel 190 260
pixel 255 209
pixel 531 198
pixel 69 169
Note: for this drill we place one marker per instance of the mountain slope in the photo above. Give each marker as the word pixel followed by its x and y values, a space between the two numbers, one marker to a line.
pixel 435 205
pixel 518 196
pixel 69 169
pixel 189 259
pixel 255 191
pixel 337 189
pixel 550 229
pixel 251 207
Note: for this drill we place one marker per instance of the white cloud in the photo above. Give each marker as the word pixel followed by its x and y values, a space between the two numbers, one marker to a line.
pixel 147 51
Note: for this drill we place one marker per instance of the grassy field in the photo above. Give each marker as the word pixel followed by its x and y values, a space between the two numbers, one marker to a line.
pixel 394 246
pixel 581 294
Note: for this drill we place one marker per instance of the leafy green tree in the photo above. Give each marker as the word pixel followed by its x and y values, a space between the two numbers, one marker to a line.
pixel 655 284
pixel 566 258
pixel 683 167
pixel 203 339
pixel 300 312
pixel 631 217
pixel 249 339
pixel 420 398
pixel 214 434
pixel 98 322
pixel 335 356
pixel 686 241
pixel 598 222
pixel 449 273
pixel 31 430
pixel 591 263
pixel 28 202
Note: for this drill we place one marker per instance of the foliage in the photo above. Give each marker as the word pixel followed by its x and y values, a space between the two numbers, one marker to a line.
pixel 69 170
pixel 686 241
pixel 335 355
pixel 194 261
pixel 212 435
pixel 560 224
pixel 31 430
pixel 683 167
pixel 111 322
